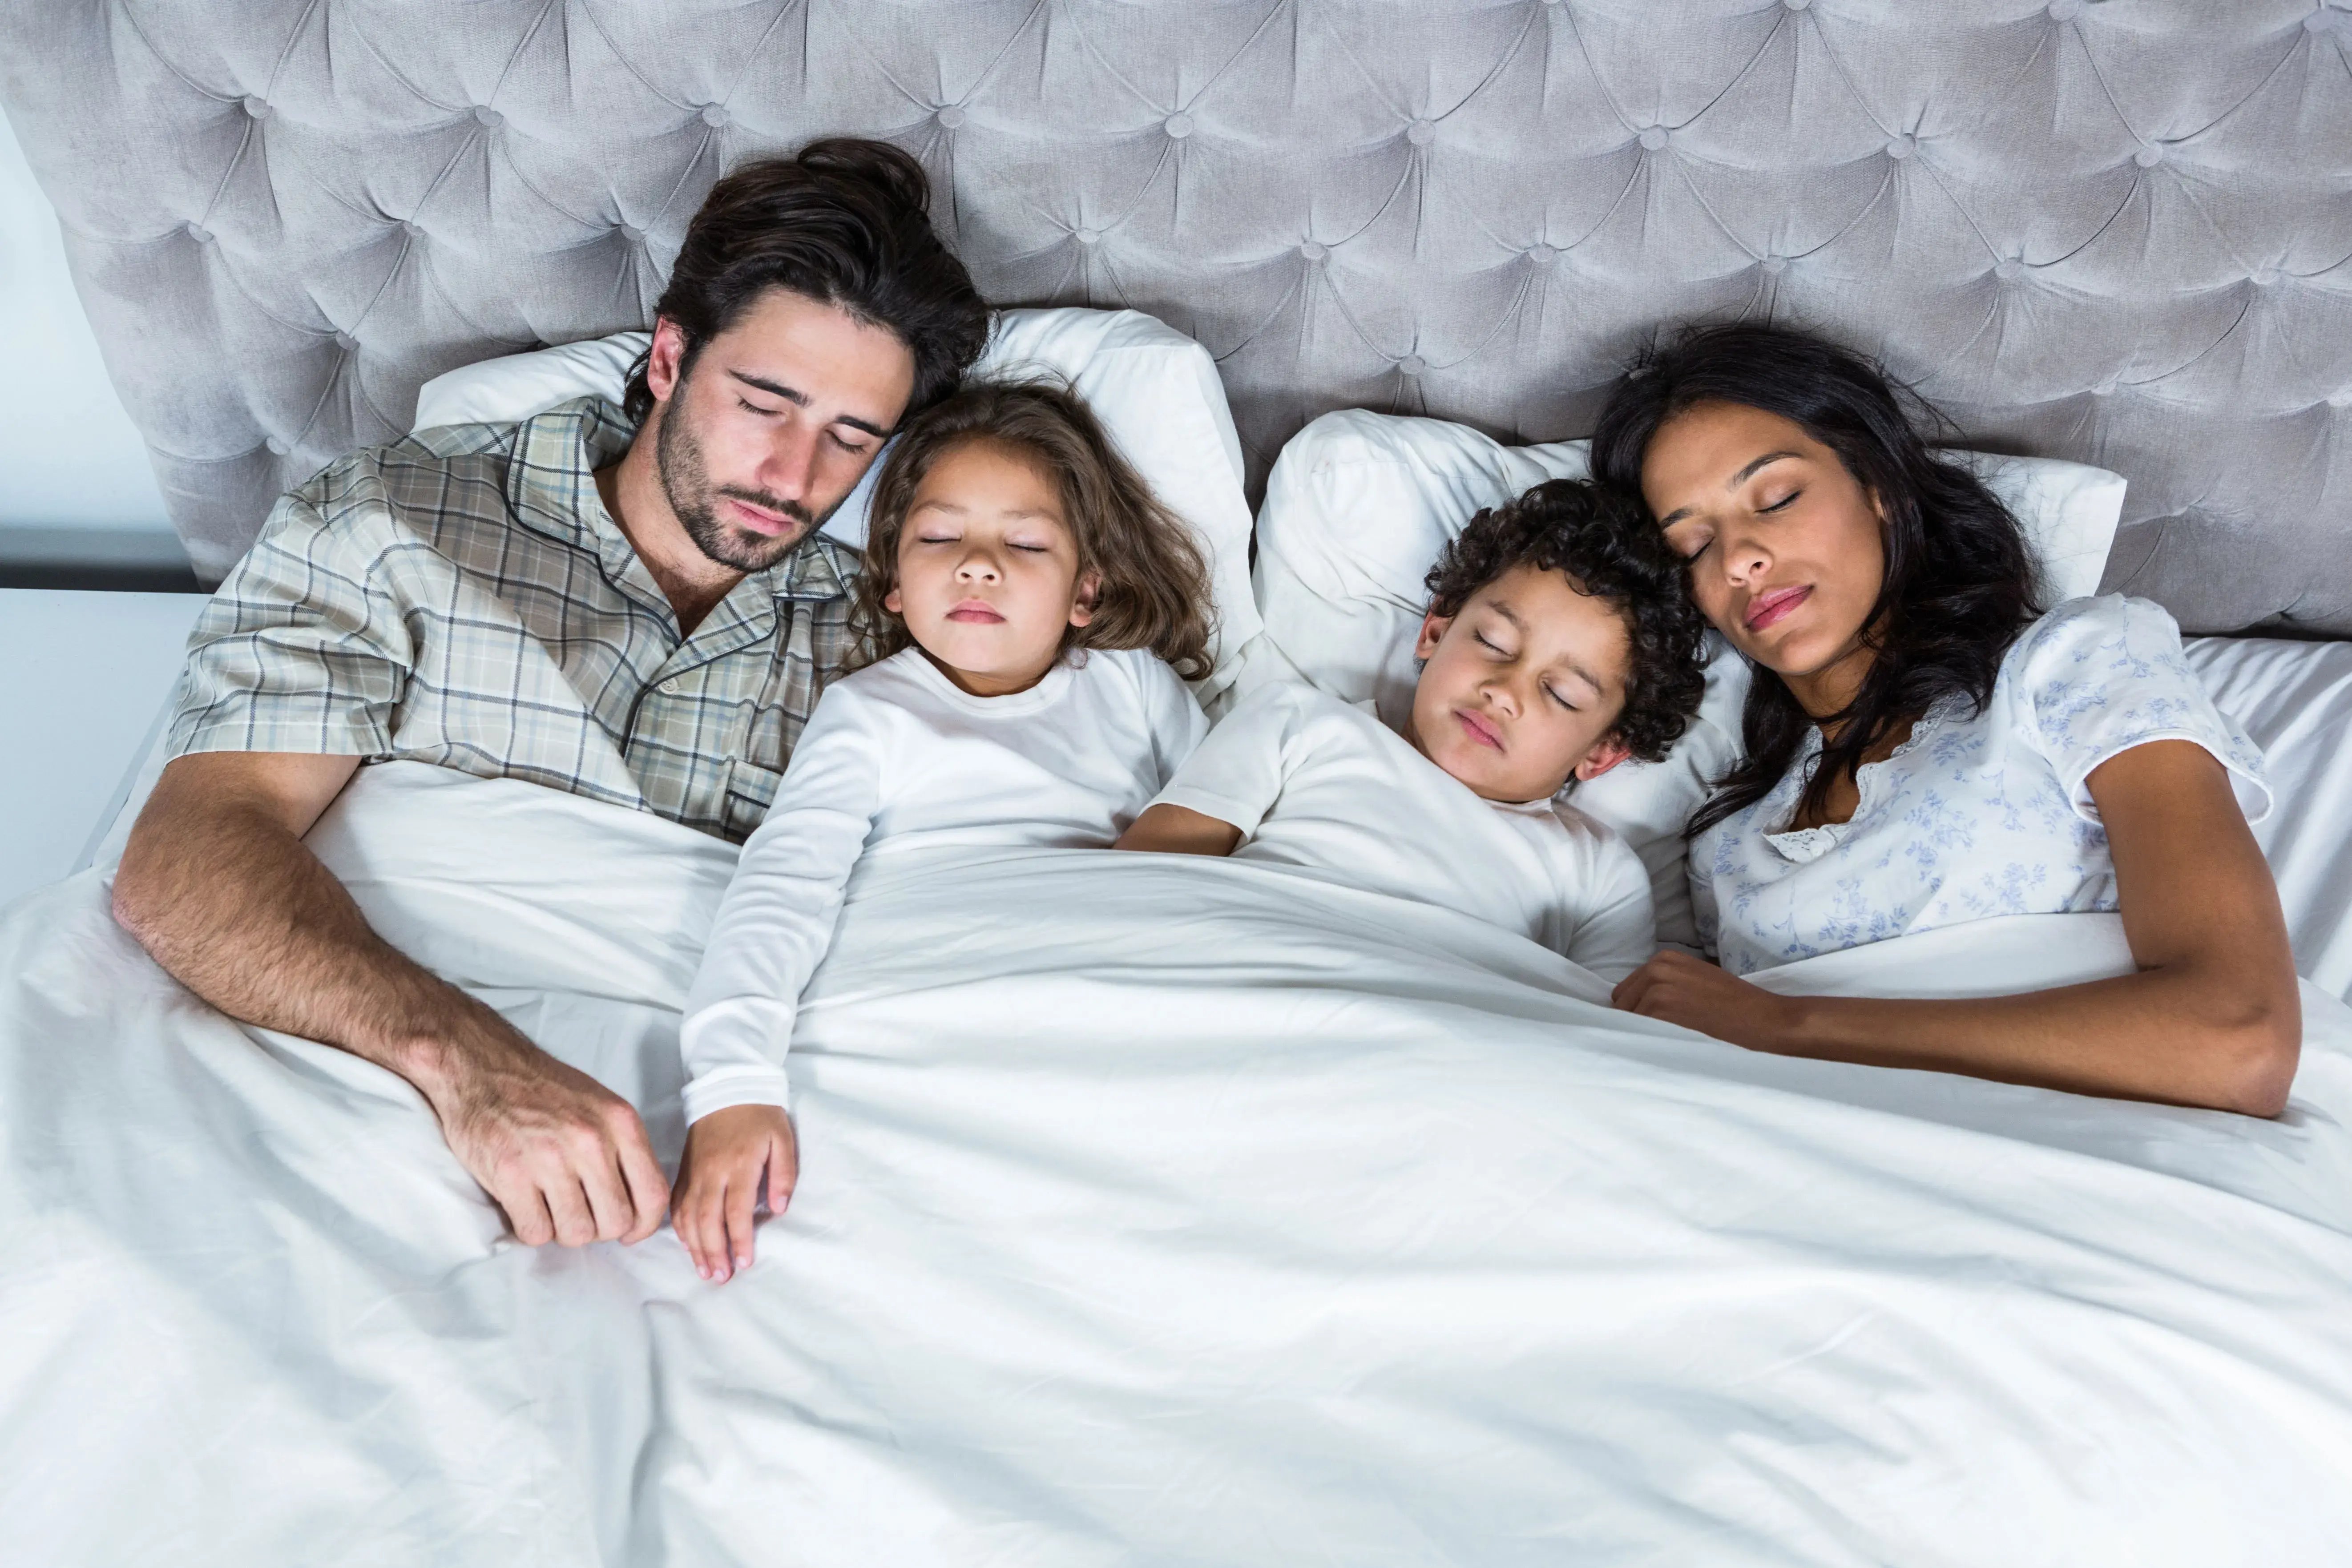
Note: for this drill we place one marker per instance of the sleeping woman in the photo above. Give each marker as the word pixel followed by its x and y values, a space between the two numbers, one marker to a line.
pixel 1924 746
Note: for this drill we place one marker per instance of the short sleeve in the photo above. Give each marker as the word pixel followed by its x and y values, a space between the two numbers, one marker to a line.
pixel 302 649
pixel 1237 772
pixel 2095 678
pixel 1616 928
pixel 1177 722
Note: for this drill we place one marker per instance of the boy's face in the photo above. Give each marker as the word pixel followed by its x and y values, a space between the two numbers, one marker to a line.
pixel 1523 688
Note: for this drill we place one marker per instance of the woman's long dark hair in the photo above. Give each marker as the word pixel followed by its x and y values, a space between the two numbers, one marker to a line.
pixel 1959 579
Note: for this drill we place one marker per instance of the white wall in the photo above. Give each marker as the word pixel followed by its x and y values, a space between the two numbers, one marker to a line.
pixel 70 461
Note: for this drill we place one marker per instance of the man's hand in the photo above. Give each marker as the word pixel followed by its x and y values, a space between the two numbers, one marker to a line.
pixel 1680 989
pixel 718 1183
pixel 217 885
pixel 566 1158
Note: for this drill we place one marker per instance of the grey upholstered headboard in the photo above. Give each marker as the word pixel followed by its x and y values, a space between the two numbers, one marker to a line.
pixel 2114 230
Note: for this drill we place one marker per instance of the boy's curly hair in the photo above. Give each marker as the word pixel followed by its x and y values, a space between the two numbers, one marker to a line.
pixel 1155 578
pixel 1607 547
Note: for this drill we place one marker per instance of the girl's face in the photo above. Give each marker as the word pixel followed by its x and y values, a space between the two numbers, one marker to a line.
pixel 1787 550
pixel 988 571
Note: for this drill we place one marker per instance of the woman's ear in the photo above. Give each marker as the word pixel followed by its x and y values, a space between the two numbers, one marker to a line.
pixel 1606 753
pixel 1082 607
pixel 1433 632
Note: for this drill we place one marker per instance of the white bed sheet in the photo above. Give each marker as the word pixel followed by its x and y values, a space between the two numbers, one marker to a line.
pixel 1312 1227
pixel 2295 700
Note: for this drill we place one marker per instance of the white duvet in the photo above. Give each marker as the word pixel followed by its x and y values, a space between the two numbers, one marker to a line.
pixel 1152 1211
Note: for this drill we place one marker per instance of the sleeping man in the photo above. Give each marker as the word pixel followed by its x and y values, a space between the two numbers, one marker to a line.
pixel 631 604
pixel 1559 643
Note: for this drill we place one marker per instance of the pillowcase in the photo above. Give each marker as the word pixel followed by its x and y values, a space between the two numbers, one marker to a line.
pixel 1358 504
pixel 1155 390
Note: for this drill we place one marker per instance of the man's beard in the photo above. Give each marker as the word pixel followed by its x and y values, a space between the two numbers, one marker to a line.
pixel 686 482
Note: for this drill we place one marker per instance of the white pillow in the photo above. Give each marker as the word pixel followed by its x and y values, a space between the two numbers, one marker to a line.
pixel 1359 505
pixel 1154 389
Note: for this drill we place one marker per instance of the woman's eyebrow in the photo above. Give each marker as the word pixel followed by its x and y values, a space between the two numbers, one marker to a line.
pixel 1747 473
pixel 1733 483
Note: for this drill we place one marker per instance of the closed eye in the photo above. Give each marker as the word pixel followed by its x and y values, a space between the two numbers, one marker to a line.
pixel 1553 692
pixel 851 446
pixel 748 406
pixel 1480 637
pixel 1784 500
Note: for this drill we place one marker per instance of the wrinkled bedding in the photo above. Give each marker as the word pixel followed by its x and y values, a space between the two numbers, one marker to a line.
pixel 1153 1210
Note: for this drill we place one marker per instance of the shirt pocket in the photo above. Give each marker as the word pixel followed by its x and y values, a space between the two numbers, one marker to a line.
pixel 751 791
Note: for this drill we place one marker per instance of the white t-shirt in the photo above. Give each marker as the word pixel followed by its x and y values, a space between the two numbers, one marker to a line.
pixel 1976 814
pixel 897 757
pixel 1324 787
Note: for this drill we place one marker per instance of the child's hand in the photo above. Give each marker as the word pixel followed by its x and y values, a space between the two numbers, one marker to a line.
pixel 718 1183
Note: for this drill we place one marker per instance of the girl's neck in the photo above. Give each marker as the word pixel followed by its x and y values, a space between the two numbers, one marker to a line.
pixel 976 683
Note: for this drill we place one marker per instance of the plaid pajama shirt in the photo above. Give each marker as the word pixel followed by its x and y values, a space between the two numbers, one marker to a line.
pixel 463 598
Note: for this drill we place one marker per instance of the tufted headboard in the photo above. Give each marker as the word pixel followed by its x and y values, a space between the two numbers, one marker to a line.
pixel 2111 230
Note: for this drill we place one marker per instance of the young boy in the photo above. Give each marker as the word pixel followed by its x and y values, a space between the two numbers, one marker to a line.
pixel 1559 641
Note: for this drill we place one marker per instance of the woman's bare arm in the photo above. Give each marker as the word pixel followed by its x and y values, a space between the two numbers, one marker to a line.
pixel 2212 1018
pixel 1178 830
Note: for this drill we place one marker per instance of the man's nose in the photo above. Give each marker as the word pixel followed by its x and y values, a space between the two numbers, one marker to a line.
pixel 790 468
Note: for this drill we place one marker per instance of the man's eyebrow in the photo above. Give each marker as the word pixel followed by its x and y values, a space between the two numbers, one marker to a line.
pixel 800 399
pixel 1733 483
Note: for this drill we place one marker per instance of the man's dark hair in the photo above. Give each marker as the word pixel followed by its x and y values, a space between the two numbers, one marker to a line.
pixel 1608 549
pixel 844 222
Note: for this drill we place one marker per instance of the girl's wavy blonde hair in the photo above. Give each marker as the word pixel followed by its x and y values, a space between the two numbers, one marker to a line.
pixel 1155 584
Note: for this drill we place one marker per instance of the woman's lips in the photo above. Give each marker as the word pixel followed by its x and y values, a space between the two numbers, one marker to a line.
pixel 1776 605
pixel 974 612
pixel 1478 729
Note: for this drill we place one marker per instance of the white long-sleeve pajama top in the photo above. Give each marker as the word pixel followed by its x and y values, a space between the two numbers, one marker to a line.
pixel 897 757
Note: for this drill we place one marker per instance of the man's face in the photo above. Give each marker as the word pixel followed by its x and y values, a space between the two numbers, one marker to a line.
pixel 774 422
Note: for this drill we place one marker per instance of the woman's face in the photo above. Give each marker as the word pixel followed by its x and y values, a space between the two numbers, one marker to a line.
pixel 1787 550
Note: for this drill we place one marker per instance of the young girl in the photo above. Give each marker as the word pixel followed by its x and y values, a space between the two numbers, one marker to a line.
pixel 1022 601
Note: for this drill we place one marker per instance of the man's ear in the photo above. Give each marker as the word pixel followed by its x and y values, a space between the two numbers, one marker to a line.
pixel 662 361
pixel 1082 607
pixel 1606 753
pixel 1433 631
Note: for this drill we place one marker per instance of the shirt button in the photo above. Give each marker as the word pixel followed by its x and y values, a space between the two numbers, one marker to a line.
pixel 669 686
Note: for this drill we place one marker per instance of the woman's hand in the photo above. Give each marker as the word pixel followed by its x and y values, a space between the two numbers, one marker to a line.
pixel 1680 989
pixel 718 1183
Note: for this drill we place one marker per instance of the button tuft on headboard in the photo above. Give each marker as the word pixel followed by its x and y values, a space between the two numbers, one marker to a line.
pixel 484 115
pixel 951 117
pixel 1177 126
pixel 715 115
pixel 1654 138
pixel 255 107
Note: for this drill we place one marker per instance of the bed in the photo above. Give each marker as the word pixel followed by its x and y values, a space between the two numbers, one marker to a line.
pixel 1309 1226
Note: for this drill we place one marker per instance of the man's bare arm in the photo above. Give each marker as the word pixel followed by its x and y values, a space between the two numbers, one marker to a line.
pixel 217 885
